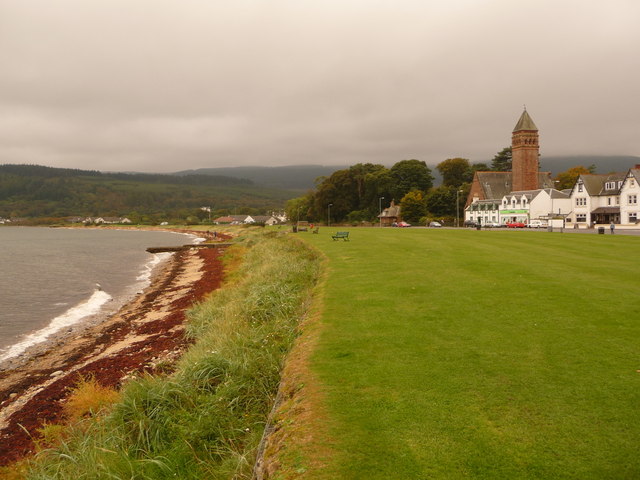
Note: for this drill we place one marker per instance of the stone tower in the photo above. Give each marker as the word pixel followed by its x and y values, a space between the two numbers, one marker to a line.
pixel 525 148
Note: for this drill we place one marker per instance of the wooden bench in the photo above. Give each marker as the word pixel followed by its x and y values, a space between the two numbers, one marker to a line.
pixel 339 235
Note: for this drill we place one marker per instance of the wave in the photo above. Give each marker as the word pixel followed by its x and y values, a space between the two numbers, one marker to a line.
pixel 147 269
pixel 75 314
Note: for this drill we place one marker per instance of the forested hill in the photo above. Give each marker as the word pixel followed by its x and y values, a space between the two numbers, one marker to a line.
pixel 303 177
pixel 38 191
pixel 603 164
pixel 39 171
pixel 292 177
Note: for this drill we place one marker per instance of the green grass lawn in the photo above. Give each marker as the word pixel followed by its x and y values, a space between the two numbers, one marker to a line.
pixel 493 354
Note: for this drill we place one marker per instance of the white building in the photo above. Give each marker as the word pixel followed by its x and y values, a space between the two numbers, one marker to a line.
pixel 523 206
pixel 595 199
pixel 629 196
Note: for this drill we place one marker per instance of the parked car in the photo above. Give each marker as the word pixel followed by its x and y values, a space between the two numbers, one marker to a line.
pixel 403 224
pixel 515 225
pixel 493 225
pixel 470 223
pixel 537 224
pixel 435 224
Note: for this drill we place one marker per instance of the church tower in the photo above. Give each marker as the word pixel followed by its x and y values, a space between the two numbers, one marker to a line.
pixel 525 149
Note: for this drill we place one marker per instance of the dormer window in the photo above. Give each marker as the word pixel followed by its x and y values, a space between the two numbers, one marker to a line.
pixel 619 183
pixel 610 185
pixel 524 202
pixel 513 202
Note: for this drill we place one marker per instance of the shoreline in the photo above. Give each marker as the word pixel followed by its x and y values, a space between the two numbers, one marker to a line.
pixel 147 330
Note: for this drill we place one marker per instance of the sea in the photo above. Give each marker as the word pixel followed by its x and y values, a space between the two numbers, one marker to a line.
pixel 53 278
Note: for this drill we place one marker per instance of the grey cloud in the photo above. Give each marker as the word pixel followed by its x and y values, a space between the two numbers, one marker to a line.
pixel 167 85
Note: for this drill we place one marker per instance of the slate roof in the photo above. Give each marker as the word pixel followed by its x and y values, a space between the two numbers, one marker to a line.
pixel 496 185
pixel 525 123
pixel 392 211
pixel 636 173
pixel 595 183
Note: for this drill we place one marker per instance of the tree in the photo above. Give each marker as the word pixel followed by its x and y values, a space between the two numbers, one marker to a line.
pixel 502 161
pixel 454 171
pixel 411 175
pixel 412 206
pixel 441 201
pixel 567 178
pixel 299 208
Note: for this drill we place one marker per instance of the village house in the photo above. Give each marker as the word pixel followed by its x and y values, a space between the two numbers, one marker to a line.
pixel 604 199
pixel 629 195
pixel 390 215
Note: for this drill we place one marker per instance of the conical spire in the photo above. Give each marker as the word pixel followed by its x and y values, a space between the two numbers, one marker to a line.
pixel 525 123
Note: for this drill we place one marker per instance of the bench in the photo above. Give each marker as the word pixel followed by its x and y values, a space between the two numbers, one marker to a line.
pixel 339 235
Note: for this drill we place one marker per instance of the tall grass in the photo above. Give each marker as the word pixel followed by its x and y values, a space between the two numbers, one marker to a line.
pixel 206 419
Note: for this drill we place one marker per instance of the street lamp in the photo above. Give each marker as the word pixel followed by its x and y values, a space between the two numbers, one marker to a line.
pixel 380 209
pixel 329 215
pixel 458 192
pixel 551 197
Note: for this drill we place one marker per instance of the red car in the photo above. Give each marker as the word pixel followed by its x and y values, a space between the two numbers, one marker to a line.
pixel 515 225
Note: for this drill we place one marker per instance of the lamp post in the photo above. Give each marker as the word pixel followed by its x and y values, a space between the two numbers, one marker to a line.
pixel 458 192
pixel 329 215
pixel 551 197
pixel 380 210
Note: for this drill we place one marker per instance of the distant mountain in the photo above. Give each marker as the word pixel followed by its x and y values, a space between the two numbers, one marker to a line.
pixel 292 177
pixel 604 164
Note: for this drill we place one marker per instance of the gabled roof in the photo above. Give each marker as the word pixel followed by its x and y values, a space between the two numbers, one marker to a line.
pixel 634 172
pixel 392 211
pixel 262 218
pixel 595 184
pixel 525 123
pixel 496 185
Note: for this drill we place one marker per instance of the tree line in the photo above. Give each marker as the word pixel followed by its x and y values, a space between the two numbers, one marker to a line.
pixel 358 193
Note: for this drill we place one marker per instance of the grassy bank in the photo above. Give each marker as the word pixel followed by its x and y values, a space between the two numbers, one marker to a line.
pixel 465 354
pixel 205 419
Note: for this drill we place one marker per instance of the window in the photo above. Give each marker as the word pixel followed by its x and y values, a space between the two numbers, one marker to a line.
pixel 619 183
pixel 581 217
pixel 513 203
pixel 524 202
pixel 581 202
pixel 633 217
pixel 608 200
pixel 617 200
pixel 632 199
pixel 632 182
pixel 579 187
pixel 610 185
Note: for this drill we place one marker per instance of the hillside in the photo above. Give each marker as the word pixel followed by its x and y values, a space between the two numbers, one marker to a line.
pixel 303 177
pixel 604 164
pixel 36 191
pixel 292 177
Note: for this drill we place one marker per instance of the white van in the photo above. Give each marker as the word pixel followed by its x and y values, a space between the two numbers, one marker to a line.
pixel 538 224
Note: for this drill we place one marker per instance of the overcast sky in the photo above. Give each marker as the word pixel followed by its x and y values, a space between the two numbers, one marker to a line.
pixel 165 85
